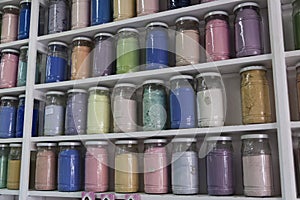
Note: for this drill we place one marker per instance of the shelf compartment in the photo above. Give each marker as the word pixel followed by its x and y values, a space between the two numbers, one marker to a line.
pixel 10 140
pixel 15 44
pixel 295 124
pixel 8 192
pixel 13 91
pixel 292 58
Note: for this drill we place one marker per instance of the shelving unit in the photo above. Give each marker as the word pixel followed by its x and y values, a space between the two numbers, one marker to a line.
pixel 275 58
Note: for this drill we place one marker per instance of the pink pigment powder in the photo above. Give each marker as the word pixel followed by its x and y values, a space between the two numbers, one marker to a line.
pixel 80 13
pixel 9 31
pixel 8 70
pixel 146 7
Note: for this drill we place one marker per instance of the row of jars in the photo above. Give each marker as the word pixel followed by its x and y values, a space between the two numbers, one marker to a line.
pixel 54 171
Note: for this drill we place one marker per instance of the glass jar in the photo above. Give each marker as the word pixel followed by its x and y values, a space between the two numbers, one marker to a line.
pixel 32 170
pixel 103 55
pixel 24 19
pixel 219 166
pixel 255 95
pixel 154 105
pixel 9 31
pixel 76 111
pixel 157 46
pixel 155 166
pixel 184 166
pixel 296 153
pixel 217 36
pixel 1 17
pixel 54 113
pixel 57 62
pixel 22 66
pixel 257 165
pixel 98 114
pixel 173 4
pixel 146 7
pixel 58 12
pixel 4 150
pixel 46 163
pixel 101 12
pixel 124 9
pixel 14 166
pixel 126 166
pixel 20 116
pixel 124 108
pixel 128 47
pixel 182 102
pixel 8 115
pixel 96 166
pixel 248 30
pixel 187 41
pixel 9 68
pixel 69 171
pixel 210 99
pixel 81 62
pixel 296 23
pixel 80 14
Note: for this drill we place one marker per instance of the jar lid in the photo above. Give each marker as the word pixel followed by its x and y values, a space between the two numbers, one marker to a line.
pixel 219 12
pixel 23 47
pixel 76 90
pixel 126 142
pixel 187 140
pixel 3 145
pixel 10 51
pixel 82 38
pixel 96 143
pixel 9 98
pixel 21 96
pixel 219 138
pixel 157 24
pixel 25 1
pixel 252 68
pixel 181 77
pixel 128 29
pixel 15 145
pixel 208 74
pixel 153 141
pixel 57 43
pixel 125 85
pixel 104 34
pixel 98 88
pixel 46 144
pixel 188 18
pixel 69 144
pixel 154 81
pixel 245 4
pixel 11 6
pixel 254 136
pixel 55 93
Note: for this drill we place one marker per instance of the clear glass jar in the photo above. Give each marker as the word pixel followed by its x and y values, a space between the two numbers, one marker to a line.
pixel 219 166
pixel 257 165
pixel 70 167
pixel 46 164
pixel 57 62
pixel 80 14
pixel 9 68
pixel 128 56
pixel 255 95
pixel 24 19
pixel 185 166
pixel 101 11
pixel 54 113
pixel 1 16
pixel 14 166
pixel 154 105
pixel 4 150
pixel 210 99
pixel 10 21
pixel 296 153
pixel 124 9
pixel 124 108
pixel 296 23
pixel 32 170
pixel 22 66
pixel 20 116
pixel 81 58
pixel 96 166
pixel 155 166
pixel 248 30
pixel 126 166
pixel 187 41
pixel 8 115
pixel 182 102
pixel 217 36
pixel 146 7
pixel 98 114
pixel 58 16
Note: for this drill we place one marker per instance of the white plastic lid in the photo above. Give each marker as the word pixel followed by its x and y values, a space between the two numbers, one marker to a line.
pixel 15 145
pixel 22 96
pixel 25 1
pixel 128 29
pixel 181 77
pixel 125 85
pixel 245 4
pixel 254 136
pixel 157 24
pixel 219 138
pixel 55 93
pixel 57 43
pixel 126 142
pixel 82 38
pixel 187 18
pixel 46 144
pixel 154 81
pixel 76 90
pixel 3 145
pixel 253 68
pixel 69 144
pixel 219 12
pixel 9 98
pixel 11 6
pixel 10 51
pixel 23 47
pixel 208 74
pixel 99 88
pixel 104 34
pixel 96 143
pixel 154 141
pixel 187 140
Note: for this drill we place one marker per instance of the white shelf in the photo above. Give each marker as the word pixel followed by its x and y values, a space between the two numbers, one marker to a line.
pixel 8 192
pixel 15 44
pixel 10 140
pixel 13 91
pixel 295 124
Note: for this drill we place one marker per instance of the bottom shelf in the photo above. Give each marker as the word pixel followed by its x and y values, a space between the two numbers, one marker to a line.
pixel 8 192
